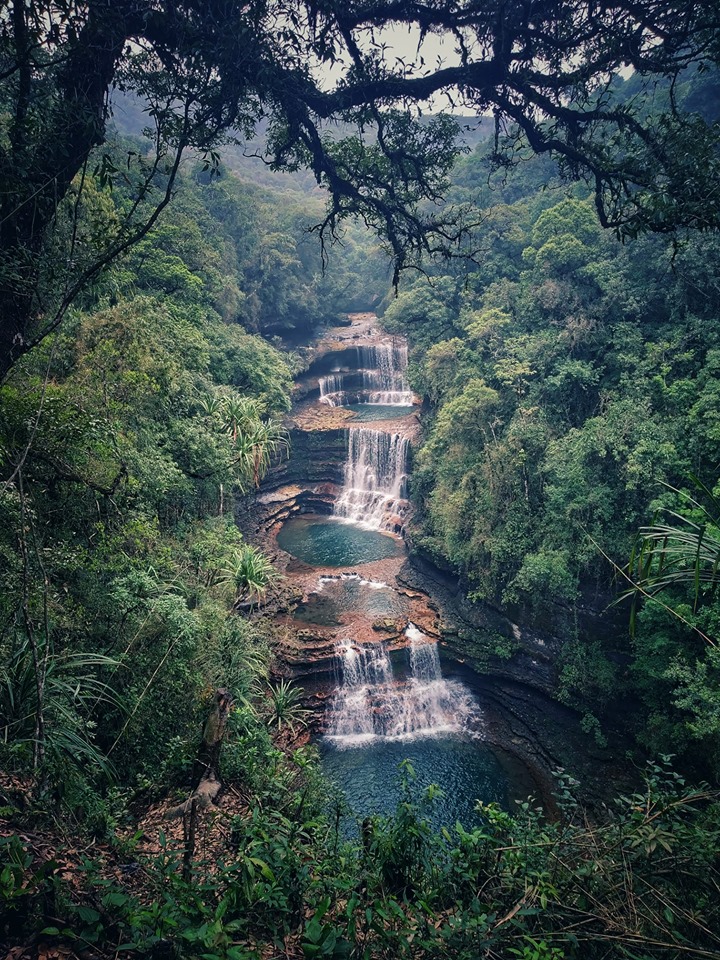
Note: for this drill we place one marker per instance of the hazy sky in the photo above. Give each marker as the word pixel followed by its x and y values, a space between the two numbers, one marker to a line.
pixel 402 44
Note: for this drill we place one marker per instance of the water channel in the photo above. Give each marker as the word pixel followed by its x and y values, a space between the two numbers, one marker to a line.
pixel 389 698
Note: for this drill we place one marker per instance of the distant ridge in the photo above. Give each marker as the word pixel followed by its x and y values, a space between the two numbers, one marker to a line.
pixel 130 119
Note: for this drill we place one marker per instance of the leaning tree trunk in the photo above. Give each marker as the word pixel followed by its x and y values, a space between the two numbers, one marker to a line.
pixel 206 768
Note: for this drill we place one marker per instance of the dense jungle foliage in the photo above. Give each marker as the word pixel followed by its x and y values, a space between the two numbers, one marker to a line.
pixel 118 439
pixel 642 884
pixel 571 383
pixel 567 378
pixel 124 440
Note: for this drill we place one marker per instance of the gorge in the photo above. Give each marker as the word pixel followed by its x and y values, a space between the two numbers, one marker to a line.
pixel 373 634
pixel 490 562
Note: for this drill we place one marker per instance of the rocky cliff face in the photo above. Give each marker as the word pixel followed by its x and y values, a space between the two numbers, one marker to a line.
pixel 305 482
pixel 316 456
pixel 514 669
pixel 483 637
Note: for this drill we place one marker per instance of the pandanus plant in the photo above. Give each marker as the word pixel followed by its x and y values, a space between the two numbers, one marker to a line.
pixel 285 707
pixel 249 574
pixel 256 439
pixel 239 415
pixel 65 701
pixel 267 439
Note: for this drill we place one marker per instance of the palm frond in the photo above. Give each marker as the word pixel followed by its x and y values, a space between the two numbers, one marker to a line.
pixel 682 551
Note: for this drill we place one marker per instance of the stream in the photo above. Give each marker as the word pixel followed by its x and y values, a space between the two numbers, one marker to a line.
pixel 368 646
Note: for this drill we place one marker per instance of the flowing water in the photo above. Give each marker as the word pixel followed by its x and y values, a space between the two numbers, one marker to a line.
pixel 383 714
pixel 383 379
pixel 391 700
pixel 371 703
pixel 384 371
pixel 374 494
pixel 331 389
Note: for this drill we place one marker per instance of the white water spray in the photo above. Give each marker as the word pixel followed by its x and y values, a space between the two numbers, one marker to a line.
pixel 380 379
pixel 371 584
pixel 370 704
pixel 384 370
pixel 375 486
pixel 331 390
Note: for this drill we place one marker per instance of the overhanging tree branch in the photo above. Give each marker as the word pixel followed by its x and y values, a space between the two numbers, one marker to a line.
pixel 214 67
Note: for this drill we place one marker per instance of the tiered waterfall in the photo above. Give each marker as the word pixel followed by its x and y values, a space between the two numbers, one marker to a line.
pixel 384 370
pixel 373 701
pixel 370 703
pixel 380 379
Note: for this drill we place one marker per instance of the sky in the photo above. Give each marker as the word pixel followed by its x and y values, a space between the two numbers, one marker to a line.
pixel 402 45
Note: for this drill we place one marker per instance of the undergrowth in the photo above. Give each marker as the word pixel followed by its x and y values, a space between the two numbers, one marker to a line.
pixel 640 882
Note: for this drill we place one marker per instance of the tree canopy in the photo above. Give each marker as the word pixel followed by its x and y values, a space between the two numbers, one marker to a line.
pixel 571 393
pixel 547 72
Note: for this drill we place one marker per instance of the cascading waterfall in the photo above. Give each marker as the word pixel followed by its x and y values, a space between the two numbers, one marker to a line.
pixel 384 370
pixel 358 712
pixel 380 379
pixel 424 656
pixel 375 484
pixel 370 703
pixel 331 390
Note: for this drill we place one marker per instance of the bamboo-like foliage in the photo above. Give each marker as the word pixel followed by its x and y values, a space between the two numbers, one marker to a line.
pixel 267 439
pixel 72 691
pixel 249 574
pixel 256 439
pixel 285 708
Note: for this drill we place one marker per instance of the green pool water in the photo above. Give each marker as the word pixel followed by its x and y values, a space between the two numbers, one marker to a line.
pixel 464 768
pixel 365 412
pixel 349 593
pixel 322 542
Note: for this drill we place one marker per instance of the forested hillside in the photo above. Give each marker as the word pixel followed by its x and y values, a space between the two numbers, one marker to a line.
pixel 159 796
pixel 120 437
pixel 571 383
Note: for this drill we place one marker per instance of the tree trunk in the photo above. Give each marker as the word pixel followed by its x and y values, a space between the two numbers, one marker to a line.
pixel 207 763
pixel 206 769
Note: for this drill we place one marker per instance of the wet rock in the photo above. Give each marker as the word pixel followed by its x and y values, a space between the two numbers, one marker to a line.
pixel 394 524
pixel 482 636
pixel 387 625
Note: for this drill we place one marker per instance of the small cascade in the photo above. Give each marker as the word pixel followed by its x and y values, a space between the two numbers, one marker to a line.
pixel 358 712
pixel 353 577
pixel 384 372
pixel 380 379
pixel 331 390
pixel 424 656
pixel 370 703
pixel 375 484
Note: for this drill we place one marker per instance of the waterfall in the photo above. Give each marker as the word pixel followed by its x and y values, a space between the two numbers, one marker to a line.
pixel 331 390
pixel 380 379
pixel 358 712
pixel 375 484
pixel 384 369
pixel 424 656
pixel 370 703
